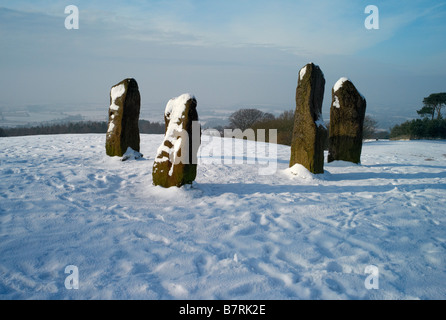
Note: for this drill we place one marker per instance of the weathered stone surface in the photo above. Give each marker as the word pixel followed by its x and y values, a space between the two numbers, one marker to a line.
pixel 176 160
pixel 123 117
pixel 307 146
pixel 347 115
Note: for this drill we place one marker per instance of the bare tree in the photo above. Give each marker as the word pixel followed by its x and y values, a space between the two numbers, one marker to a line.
pixel 369 128
pixel 246 118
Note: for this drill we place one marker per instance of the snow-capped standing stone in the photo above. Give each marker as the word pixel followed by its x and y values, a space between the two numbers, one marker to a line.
pixel 339 83
pixel 123 117
pixel 347 115
pixel 176 160
pixel 309 133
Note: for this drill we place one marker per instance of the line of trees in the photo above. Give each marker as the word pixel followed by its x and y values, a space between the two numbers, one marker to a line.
pixel 432 125
pixel 255 119
pixel 420 129
pixel 145 126
pixel 284 124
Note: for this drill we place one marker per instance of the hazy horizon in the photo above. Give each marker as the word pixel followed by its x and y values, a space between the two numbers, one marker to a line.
pixel 230 54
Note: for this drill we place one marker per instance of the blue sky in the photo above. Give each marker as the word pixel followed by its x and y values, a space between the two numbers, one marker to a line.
pixel 230 54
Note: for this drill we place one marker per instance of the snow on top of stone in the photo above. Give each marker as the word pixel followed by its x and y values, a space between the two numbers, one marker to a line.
pixel 111 126
pixel 115 93
pixel 175 109
pixel 336 102
pixel 339 83
pixel 338 86
pixel 302 73
pixel 176 106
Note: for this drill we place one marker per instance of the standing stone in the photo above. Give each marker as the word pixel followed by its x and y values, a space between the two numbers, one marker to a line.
pixel 123 117
pixel 346 122
pixel 309 133
pixel 176 160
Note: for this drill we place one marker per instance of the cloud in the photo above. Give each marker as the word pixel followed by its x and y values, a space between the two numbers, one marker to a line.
pixel 301 27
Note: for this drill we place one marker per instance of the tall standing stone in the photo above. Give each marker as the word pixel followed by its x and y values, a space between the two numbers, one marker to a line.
pixel 309 133
pixel 347 115
pixel 176 160
pixel 123 117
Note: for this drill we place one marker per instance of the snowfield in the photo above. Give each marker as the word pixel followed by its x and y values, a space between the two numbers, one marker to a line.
pixel 234 234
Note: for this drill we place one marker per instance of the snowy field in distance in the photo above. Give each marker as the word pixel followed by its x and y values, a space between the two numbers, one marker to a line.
pixel 233 235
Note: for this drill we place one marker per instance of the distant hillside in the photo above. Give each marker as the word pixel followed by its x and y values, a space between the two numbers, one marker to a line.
pixel 76 127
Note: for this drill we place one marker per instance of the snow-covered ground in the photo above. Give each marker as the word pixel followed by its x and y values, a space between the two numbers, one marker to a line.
pixel 234 235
